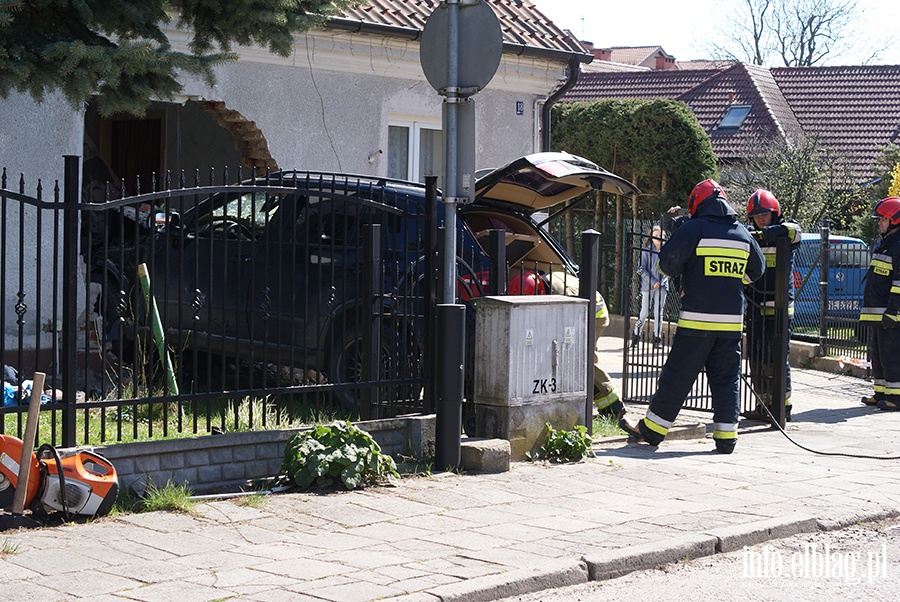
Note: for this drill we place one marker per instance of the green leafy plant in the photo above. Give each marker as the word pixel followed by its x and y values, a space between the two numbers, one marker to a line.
pixel 335 452
pixel 566 446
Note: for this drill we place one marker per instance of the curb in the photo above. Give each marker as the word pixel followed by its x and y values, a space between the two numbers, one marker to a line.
pixel 650 555
pixel 617 563
pixel 679 432
pixel 736 537
pixel 560 573
pixel 851 518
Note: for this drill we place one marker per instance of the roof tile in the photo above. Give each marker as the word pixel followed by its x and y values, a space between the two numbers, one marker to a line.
pixel 520 21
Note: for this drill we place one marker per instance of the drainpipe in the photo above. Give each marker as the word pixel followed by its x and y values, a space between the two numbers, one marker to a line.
pixel 573 70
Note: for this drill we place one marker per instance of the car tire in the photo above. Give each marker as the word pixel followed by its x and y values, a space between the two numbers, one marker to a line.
pixel 345 363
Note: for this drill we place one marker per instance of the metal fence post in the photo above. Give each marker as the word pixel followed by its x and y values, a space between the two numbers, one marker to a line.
pixel 431 293
pixel 373 285
pixel 497 251
pixel 587 289
pixel 451 324
pixel 71 192
pixel 781 342
pixel 824 268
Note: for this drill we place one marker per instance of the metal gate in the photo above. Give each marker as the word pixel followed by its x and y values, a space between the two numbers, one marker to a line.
pixel 643 362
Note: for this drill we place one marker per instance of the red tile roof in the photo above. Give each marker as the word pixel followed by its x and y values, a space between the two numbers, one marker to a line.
pixel 521 22
pixel 636 84
pixel 855 111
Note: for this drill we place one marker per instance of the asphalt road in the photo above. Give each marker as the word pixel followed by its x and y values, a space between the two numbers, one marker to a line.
pixel 861 562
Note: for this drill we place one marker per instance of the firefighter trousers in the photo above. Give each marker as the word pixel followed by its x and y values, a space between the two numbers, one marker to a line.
pixel 689 354
pixel 606 399
pixel 884 349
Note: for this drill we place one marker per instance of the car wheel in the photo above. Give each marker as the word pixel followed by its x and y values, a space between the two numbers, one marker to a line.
pixel 345 363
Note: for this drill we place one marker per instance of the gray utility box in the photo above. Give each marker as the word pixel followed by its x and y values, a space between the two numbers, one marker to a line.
pixel 531 367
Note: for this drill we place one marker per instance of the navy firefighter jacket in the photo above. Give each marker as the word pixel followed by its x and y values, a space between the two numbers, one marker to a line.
pixel 761 294
pixel 715 257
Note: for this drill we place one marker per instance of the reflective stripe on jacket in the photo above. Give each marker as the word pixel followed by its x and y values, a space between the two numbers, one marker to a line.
pixel 881 294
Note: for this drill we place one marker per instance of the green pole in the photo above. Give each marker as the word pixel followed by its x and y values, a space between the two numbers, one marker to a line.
pixel 156 326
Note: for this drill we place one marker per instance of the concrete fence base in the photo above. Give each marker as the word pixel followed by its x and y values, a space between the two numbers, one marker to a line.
pixel 232 461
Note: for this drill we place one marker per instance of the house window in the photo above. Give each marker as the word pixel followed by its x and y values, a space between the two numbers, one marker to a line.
pixel 734 117
pixel 415 150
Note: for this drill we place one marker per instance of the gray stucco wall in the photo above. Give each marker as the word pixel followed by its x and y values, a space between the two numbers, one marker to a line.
pixel 33 139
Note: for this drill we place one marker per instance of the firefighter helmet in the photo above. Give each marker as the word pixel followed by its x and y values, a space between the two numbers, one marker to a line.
pixel 762 201
pixel 705 190
pixel 889 208
pixel 528 282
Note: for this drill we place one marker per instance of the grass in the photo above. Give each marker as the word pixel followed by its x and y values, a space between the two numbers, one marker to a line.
pixel 257 499
pixel 171 420
pixel 606 426
pixel 8 548
pixel 171 497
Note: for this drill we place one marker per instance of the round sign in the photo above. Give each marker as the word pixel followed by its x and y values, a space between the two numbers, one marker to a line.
pixel 479 48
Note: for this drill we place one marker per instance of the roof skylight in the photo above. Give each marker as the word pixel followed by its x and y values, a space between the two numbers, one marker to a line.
pixel 734 117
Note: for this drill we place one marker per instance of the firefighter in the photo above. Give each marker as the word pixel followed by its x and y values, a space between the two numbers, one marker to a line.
pixel 881 307
pixel 530 282
pixel 767 227
pixel 714 256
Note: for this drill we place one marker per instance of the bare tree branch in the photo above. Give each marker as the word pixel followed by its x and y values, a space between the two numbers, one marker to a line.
pixel 796 33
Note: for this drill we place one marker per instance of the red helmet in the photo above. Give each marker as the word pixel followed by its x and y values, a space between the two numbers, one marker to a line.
pixel 762 201
pixel 526 283
pixel 705 190
pixel 889 208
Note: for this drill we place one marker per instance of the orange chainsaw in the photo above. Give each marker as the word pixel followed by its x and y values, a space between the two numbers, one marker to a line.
pixel 78 482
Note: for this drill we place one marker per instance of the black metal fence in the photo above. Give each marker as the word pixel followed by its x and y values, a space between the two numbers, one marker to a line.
pixel 198 307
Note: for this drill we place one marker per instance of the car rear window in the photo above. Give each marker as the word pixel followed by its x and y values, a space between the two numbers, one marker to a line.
pixel 841 255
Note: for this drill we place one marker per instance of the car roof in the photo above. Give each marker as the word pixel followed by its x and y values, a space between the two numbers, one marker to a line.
pixel 531 183
pixel 832 238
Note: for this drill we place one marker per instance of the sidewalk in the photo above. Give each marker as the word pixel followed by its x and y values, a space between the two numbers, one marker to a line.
pixel 483 537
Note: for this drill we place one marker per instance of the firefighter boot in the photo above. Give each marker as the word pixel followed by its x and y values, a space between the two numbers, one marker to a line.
pixel 725 446
pixel 657 343
pixel 870 400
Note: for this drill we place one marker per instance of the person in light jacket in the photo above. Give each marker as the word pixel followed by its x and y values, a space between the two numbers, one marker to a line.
pixel 654 287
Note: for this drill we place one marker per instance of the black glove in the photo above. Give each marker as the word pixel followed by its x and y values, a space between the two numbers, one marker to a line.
pixel 890 320
pixel 773 233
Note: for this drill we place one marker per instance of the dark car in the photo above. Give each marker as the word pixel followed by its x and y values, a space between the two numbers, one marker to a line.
pixel 273 270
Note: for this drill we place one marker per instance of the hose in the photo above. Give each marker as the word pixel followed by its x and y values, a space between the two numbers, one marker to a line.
pixel 774 423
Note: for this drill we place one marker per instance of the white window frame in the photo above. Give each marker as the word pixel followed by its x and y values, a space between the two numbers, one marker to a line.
pixel 415 125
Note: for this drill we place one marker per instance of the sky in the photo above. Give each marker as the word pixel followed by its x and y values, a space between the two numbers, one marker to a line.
pixel 682 26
